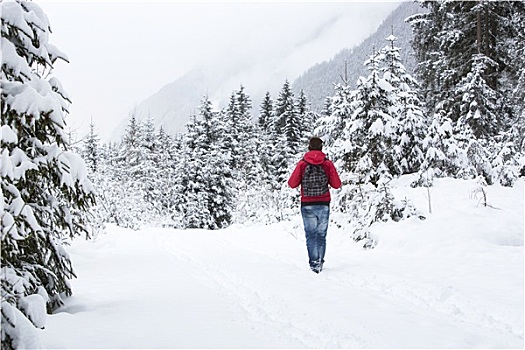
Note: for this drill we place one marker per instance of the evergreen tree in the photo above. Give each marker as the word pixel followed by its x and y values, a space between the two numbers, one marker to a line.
pixel 129 173
pixel 306 117
pixel 516 52
pixel 206 185
pixel 368 138
pixel 326 111
pixel 507 164
pixel 45 191
pixel 331 126
pixel 150 182
pixel 470 64
pixel 249 162
pixel 263 134
pixel 408 112
pixel 449 41
pixel 443 155
pixel 130 153
pixel 149 141
pixel 112 194
pixel 232 138
pixel 479 102
pixel 269 143
pixel 244 106
pixel 166 177
pixel 188 182
pixel 266 113
pixel 279 161
pixel 95 156
pixel 286 121
pixel 240 137
pixel 215 168
pixel 262 200
pixel 91 149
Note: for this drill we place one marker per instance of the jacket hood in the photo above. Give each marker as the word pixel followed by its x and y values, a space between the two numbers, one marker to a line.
pixel 315 157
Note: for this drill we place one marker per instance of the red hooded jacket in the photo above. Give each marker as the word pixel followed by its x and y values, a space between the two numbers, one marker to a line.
pixel 315 157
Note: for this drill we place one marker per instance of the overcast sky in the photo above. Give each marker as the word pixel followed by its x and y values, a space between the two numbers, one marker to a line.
pixel 122 52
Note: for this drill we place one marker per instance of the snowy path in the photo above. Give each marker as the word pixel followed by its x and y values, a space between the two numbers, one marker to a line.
pixel 250 287
pixel 289 303
pixel 198 289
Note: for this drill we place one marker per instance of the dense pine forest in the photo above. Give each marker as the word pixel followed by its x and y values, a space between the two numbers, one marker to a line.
pixel 460 114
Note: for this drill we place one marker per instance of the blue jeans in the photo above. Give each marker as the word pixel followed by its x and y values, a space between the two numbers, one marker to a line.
pixel 315 220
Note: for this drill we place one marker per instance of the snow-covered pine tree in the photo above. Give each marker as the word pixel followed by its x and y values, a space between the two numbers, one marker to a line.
pixel 205 184
pixel 508 161
pixel 307 119
pixel 216 169
pixel 231 116
pixel 408 111
pixel 151 183
pixel 286 121
pixel 326 111
pixel 95 157
pixel 45 190
pixel 129 172
pixel 241 137
pixel 449 39
pixel 249 162
pixel 479 101
pixel 478 123
pixel 191 192
pixel 273 150
pixel 363 131
pixel 254 161
pixel 279 161
pixel 166 148
pixel 110 192
pixel 91 152
pixel 260 201
pixel 330 126
pixel 263 132
pixel 443 156
pixel 183 173
pixel 516 133
pixel 266 113
pixel 369 136
pixel 130 152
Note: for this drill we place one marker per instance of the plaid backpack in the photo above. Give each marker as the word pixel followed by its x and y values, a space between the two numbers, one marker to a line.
pixel 314 181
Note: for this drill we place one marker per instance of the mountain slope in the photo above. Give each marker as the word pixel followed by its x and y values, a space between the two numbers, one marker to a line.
pixel 172 105
pixel 318 82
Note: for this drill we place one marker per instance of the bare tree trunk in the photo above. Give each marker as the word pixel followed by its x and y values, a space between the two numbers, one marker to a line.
pixel 478 40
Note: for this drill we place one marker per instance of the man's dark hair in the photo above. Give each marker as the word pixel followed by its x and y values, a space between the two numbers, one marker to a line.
pixel 315 144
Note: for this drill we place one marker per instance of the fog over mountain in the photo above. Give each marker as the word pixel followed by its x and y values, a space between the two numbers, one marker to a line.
pixel 311 64
pixel 318 81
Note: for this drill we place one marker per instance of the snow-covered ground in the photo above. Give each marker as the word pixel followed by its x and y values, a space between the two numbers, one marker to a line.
pixel 454 280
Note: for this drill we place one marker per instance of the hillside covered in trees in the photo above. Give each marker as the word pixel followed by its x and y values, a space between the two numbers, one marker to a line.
pixel 460 115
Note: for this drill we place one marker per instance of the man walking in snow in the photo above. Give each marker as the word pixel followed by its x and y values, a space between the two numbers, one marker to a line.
pixel 315 173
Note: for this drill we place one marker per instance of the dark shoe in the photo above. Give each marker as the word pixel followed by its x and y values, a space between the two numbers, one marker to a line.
pixel 316 266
